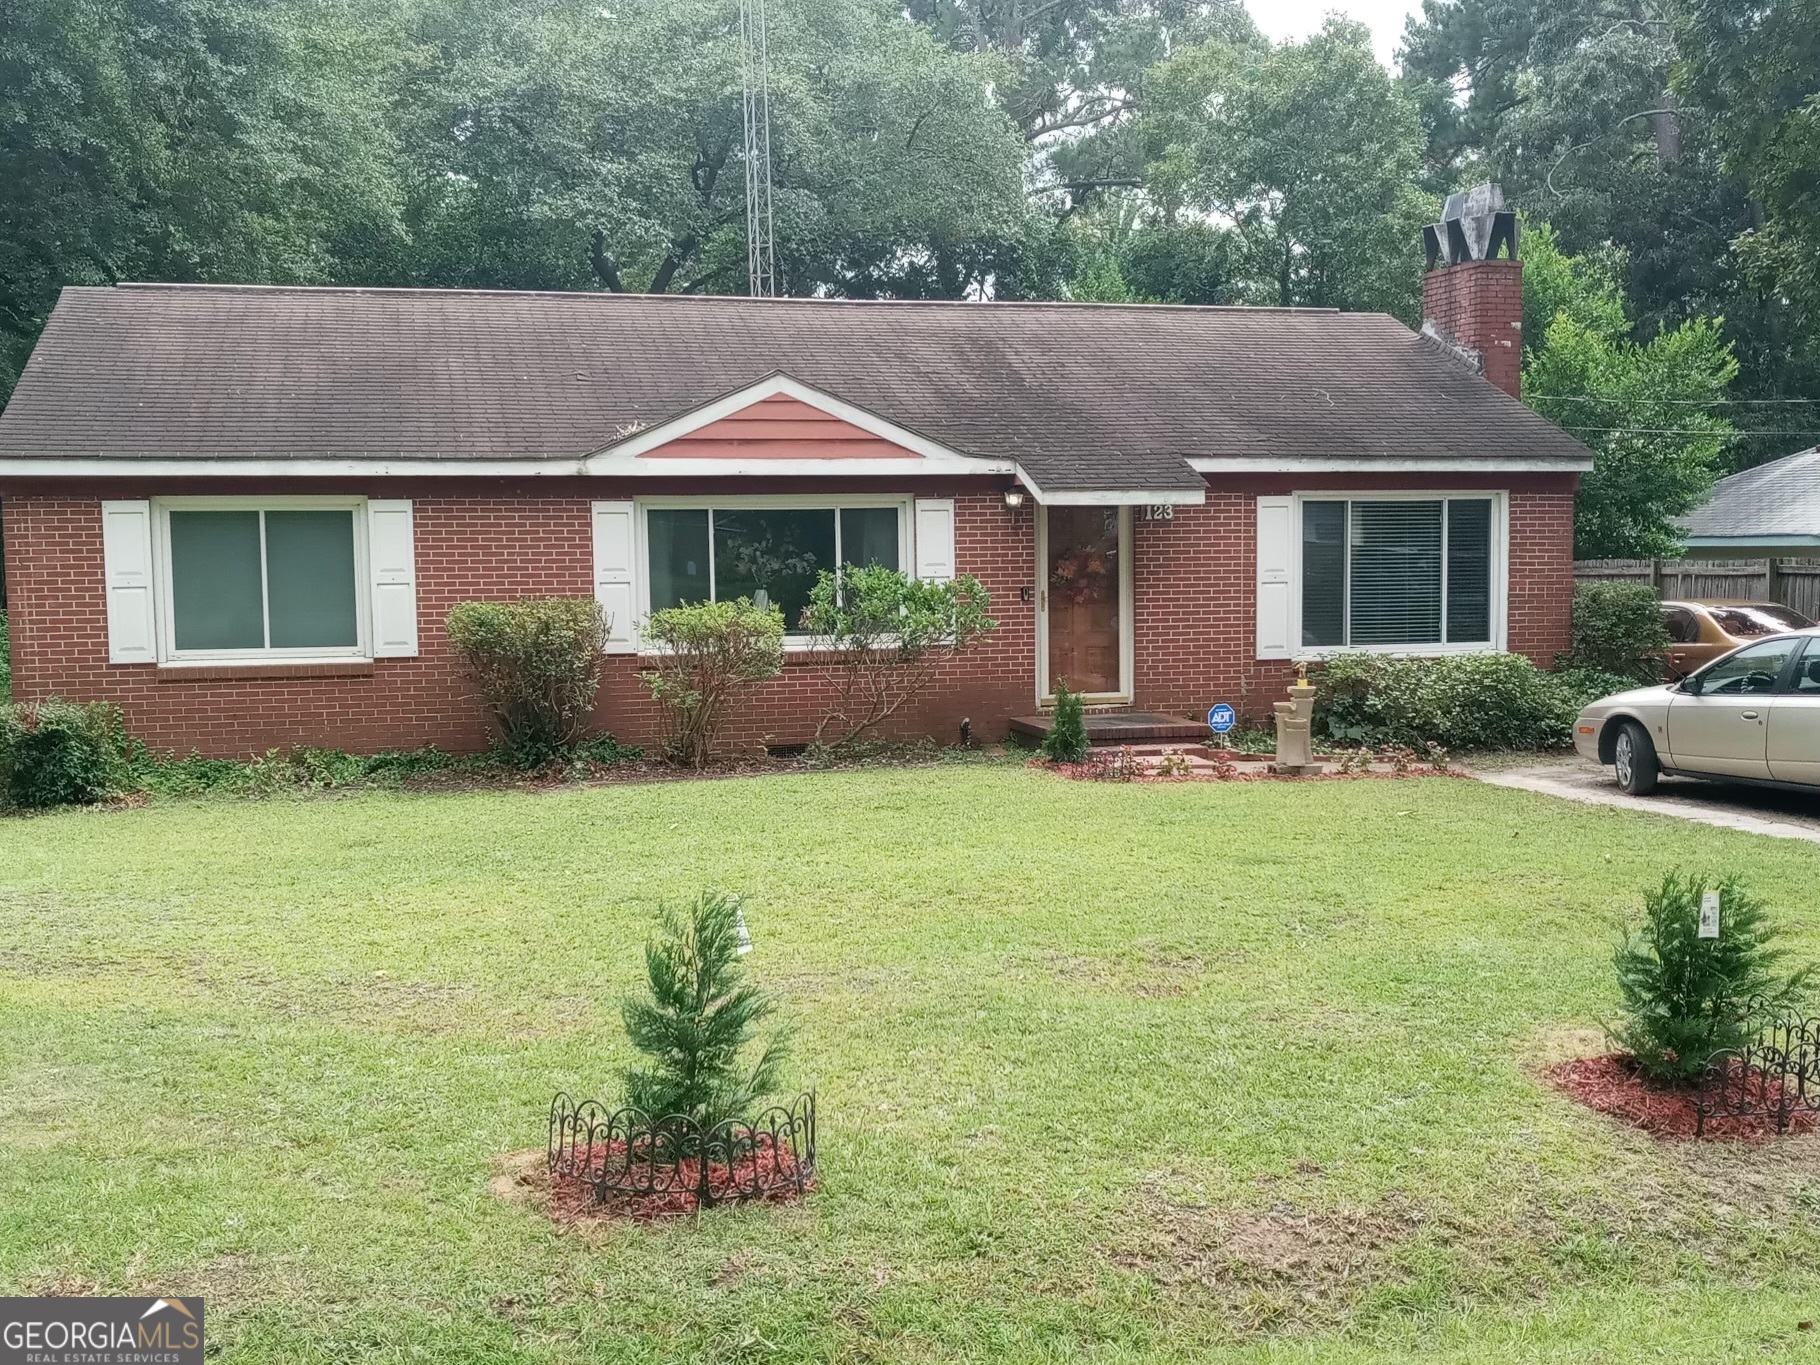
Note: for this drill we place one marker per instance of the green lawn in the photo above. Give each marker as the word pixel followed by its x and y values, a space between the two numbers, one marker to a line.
pixel 1112 1073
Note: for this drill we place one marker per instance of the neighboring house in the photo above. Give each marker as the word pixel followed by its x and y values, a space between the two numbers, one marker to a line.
pixel 244 513
pixel 1770 512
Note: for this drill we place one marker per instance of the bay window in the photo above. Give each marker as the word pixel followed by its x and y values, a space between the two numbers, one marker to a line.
pixel 769 551
pixel 1402 572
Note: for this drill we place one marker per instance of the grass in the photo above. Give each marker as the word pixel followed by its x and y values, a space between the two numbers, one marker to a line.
pixel 1112 1073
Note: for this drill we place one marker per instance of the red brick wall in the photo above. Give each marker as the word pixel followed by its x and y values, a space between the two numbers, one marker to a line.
pixel 1196 611
pixel 480 546
pixel 1479 304
pixel 1195 620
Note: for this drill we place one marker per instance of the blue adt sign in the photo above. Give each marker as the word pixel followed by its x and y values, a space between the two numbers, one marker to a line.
pixel 1221 718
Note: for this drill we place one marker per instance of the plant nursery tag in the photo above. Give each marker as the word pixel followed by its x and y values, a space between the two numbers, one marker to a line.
pixel 745 936
pixel 1709 914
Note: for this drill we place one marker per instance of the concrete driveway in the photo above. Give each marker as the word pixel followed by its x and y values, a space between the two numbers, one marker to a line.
pixel 1783 815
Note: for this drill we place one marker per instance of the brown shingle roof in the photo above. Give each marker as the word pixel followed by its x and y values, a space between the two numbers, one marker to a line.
pixel 1080 395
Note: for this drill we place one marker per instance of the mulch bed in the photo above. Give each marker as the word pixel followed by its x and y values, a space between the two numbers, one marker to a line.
pixel 1613 1086
pixel 573 1199
pixel 1253 771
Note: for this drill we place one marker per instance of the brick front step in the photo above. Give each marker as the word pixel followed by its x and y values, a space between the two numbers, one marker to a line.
pixel 1118 727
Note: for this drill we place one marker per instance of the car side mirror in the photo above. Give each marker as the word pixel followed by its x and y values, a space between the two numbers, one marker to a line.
pixel 1693 683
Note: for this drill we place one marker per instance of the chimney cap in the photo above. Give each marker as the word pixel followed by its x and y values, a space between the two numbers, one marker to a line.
pixel 1474 224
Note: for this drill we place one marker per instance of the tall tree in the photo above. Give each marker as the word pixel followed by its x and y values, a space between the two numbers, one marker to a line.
pixel 1652 411
pixel 187 140
pixel 1752 70
pixel 1588 112
pixel 1311 151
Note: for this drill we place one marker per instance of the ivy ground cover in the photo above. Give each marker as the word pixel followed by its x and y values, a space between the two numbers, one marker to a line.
pixel 1226 1072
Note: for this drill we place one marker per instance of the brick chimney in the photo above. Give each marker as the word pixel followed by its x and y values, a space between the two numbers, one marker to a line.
pixel 1471 299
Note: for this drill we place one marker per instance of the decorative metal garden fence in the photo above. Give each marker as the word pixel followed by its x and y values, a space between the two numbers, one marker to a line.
pixel 1775 1075
pixel 632 1160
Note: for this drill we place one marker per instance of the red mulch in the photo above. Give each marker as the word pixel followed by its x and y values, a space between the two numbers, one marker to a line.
pixel 572 1199
pixel 1248 772
pixel 1613 1086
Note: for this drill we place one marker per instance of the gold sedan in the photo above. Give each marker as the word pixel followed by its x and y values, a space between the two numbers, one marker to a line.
pixel 1701 631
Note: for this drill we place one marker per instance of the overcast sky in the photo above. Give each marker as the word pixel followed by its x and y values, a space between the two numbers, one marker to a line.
pixel 1282 19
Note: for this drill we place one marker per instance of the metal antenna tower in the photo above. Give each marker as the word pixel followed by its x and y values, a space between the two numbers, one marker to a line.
pixel 755 69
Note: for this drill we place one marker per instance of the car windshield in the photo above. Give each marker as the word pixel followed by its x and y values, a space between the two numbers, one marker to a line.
pixel 1741 623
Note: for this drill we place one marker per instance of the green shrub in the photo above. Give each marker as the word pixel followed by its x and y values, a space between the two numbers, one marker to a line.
pixel 1687 997
pixel 1578 686
pixel 538 666
pixel 607 751
pixel 1460 701
pixel 1066 741
pixel 1617 628
pixel 880 636
pixel 58 753
pixel 6 663
pixel 705 654
pixel 1465 701
pixel 698 1021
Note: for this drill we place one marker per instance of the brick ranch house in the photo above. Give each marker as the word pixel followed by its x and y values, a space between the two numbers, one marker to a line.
pixel 243 514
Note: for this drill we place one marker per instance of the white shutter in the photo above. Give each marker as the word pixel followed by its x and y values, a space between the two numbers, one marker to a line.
pixel 126 553
pixel 615 571
pixel 392 554
pixel 935 539
pixel 1276 570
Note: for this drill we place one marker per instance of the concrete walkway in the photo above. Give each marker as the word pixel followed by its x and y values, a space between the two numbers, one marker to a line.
pixel 1782 815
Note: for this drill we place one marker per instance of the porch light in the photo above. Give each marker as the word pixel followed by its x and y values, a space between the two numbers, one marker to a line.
pixel 1014 498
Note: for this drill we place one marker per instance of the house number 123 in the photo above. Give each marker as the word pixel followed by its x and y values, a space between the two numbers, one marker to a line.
pixel 1160 511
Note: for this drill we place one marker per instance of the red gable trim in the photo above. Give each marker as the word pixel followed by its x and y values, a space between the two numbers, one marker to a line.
pixel 779 427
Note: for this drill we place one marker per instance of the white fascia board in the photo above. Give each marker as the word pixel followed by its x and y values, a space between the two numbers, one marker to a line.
pixel 1372 464
pixel 208 467
pixel 658 467
pixel 1109 497
pixel 205 467
pixel 936 458
pixel 1121 497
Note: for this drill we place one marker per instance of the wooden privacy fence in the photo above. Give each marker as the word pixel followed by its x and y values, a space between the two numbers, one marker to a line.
pixel 1793 582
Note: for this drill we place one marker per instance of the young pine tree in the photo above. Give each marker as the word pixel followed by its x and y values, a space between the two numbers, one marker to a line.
pixel 1687 997
pixel 1066 741
pixel 699 1021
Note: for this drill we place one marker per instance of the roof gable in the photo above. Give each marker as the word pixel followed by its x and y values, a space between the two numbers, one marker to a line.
pixel 781 425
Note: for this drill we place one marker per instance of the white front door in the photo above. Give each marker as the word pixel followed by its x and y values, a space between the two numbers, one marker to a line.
pixel 1724 728
pixel 1084 601
pixel 1794 723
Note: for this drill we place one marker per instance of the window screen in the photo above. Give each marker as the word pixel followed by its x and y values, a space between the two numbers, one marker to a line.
pixel 1469 571
pixel 771 554
pixel 263 579
pixel 1324 573
pixel 1396 572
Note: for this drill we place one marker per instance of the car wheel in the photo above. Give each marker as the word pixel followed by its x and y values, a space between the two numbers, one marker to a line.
pixel 1634 758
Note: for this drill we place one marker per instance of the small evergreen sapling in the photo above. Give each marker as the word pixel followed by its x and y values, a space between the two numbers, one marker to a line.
pixel 699 1022
pixel 1687 997
pixel 1066 741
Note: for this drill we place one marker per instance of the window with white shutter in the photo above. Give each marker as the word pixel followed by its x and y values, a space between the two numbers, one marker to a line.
pixel 126 546
pixel 1276 565
pixel 614 573
pixel 392 561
